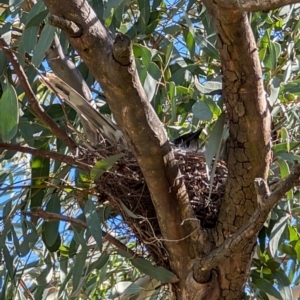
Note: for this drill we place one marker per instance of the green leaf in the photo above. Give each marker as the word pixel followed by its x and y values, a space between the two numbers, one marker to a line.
pixel 292 87
pixel 284 134
pixel 82 178
pixel 43 44
pixel 215 140
pixel 158 273
pixel 275 88
pixel 144 53
pixel 3 63
pixel 214 107
pixel 271 59
pixel 14 5
pixel 29 38
pixel 168 54
pixel 290 157
pixel 284 171
pixel 93 222
pixel 125 288
pixel 210 87
pixel 297 249
pixel 99 263
pixel 276 235
pixel 202 111
pixel 190 4
pixel 38 18
pixel 79 265
pixel 172 30
pixel 128 212
pixel 9 114
pixel 155 18
pixel 38 8
pixel 4 234
pixel 51 228
pixel 6 32
pixel 179 76
pixel 190 36
pixel 172 96
pixel 284 284
pixel 190 43
pixel 265 286
pixel 30 237
pixel 208 48
pixel 103 166
pixel 156 4
pixel 144 6
pixel 9 262
pixel 7 211
pixel 39 174
pixel 46 275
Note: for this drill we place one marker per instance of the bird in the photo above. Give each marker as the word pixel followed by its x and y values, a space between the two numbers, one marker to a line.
pixel 188 140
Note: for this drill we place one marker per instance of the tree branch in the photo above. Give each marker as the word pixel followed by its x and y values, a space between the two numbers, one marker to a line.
pixel 66 70
pixel 73 29
pixel 48 154
pixel 39 212
pixel 240 239
pixel 140 125
pixel 33 102
pixel 255 5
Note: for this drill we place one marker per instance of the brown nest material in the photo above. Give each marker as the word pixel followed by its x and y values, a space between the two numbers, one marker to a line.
pixel 124 186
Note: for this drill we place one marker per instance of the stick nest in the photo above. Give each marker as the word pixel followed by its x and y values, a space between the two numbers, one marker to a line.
pixel 125 188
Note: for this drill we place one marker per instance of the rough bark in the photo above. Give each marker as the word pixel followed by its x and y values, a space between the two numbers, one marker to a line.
pixel 254 5
pixel 140 125
pixel 249 126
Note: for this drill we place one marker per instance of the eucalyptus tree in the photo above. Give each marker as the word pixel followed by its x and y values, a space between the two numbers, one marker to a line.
pixel 97 202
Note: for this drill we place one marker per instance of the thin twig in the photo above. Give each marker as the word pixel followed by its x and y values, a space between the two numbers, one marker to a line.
pixel 33 101
pixel 48 154
pixel 39 212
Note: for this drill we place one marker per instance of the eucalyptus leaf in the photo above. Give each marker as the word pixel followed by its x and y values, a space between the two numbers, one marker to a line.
pixel 159 273
pixel 9 114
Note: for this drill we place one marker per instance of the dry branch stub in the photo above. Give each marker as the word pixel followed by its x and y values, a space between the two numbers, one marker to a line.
pixel 125 188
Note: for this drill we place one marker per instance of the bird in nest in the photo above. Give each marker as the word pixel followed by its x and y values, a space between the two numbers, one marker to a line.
pixel 188 141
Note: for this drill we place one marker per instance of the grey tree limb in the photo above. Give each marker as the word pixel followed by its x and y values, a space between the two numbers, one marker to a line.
pixel 255 5
pixel 66 70
pixel 141 127
pixel 86 111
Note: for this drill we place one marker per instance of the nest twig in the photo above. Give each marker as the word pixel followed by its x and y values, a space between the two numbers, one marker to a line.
pixel 124 186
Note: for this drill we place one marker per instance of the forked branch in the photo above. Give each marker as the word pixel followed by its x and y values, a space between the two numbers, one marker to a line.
pixel 245 234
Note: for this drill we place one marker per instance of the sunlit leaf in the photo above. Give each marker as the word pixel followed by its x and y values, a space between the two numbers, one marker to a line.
pixel 215 140
pixel 93 222
pixel 103 166
pixel 9 114
pixel 276 235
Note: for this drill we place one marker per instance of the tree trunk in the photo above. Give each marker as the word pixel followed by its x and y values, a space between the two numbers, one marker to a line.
pixel 249 126
pixel 187 245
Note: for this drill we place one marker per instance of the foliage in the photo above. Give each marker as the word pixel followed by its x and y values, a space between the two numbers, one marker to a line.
pixel 179 67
